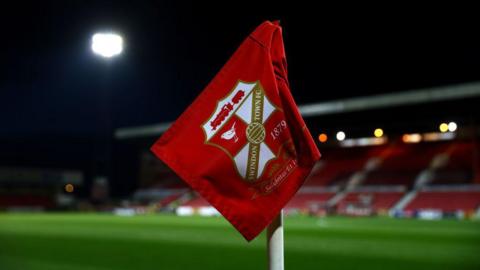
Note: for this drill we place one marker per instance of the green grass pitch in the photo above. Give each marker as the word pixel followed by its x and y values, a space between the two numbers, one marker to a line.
pixel 102 241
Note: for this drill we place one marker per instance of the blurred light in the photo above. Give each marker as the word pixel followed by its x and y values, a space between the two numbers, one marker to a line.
pixel 412 138
pixel 69 188
pixel 322 137
pixel 452 126
pixel 443 127
pixel 437 136
pixel 363 142
pixel 107 44
pixel 378 132
pixel 185 211
pixel 341 136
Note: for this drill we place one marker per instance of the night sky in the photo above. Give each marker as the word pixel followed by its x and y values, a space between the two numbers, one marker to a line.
pixel 52 84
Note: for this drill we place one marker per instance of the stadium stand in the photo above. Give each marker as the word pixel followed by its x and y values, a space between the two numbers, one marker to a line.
pixel 309 201
pixel 36 189
pixel 446 199
pixel 376 201
pixel 369 180
pixel 197 202
pixel 459 168
pixel 339 164
pixel 15 201
pixel 402 163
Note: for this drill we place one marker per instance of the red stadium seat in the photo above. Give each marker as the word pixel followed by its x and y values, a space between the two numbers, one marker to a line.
pixel 445 201
pixel 377 201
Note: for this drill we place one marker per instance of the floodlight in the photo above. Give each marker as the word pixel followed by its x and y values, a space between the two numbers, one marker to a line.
pixel 107 44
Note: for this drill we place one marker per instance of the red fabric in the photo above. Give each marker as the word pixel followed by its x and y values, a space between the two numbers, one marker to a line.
pixel 242 143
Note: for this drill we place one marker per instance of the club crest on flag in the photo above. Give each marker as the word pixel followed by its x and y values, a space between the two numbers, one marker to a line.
pixel 242 125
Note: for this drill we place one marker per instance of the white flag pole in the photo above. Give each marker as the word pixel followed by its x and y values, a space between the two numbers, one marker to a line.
pixel 275 243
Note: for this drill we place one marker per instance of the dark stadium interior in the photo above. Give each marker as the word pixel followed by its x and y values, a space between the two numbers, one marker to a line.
pixel 59 98
pixel 61 108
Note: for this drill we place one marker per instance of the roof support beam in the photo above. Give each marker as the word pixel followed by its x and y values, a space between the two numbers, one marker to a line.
pixel 412 97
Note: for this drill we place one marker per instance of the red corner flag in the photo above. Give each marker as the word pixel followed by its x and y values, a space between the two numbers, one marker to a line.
pixel 242 143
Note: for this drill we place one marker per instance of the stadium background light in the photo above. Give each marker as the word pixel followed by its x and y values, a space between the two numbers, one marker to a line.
pixel 363 141
pixel 452 126
pixel 438 136
pixel 378 132
pixel 323 137
pixel 412 138
pixel 69 188
pixel 107 45
pixel 341 136
pixel 443 127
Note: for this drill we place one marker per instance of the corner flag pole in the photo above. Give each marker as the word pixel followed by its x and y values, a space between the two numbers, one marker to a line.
pixel 275 243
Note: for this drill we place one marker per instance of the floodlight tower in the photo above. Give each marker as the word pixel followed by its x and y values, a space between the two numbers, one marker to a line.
pixel 106 45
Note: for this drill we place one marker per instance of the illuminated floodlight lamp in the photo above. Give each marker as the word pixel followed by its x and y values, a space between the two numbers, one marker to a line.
pixel 443 127
pixel 341 136
pixel 69 188
pixel 107 45
pixel 452 126
pixel 378 132
pixel 322 137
